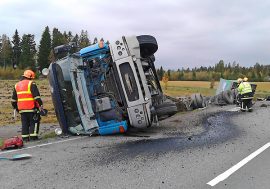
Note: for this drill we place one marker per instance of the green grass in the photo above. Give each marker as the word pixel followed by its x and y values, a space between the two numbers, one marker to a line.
pixel 49 135
pixel 6 111
pixel 10 73
pixel 1 142
pixel 186 88
pixel 187 91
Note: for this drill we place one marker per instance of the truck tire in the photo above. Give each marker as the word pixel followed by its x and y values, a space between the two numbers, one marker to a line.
pixel 235 94
pixel 148 45
pixel 193 101
pixel 204 104
pixel 166 109
pixel 199 100
pixel 228 96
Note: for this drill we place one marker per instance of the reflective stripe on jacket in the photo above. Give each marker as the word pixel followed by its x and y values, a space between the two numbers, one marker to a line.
pixel 26 102
pixel 244 88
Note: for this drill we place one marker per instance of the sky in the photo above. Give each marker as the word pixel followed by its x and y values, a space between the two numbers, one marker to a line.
pixel 190 33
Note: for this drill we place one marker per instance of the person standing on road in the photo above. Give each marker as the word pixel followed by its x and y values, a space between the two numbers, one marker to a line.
pixel 238 97
pixel 246 94
pixel 26 100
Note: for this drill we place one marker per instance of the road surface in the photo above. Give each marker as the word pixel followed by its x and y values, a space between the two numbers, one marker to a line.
pixel 210 148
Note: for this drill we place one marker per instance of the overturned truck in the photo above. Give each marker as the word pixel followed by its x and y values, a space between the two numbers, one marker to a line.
pixel 108 88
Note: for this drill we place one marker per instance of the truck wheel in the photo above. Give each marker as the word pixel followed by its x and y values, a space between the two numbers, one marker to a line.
pixel 199 100
pixel 194 101
pixel 228 96
pixel 148 45
pixel 235 94
pixel 166 109
pixel 204 104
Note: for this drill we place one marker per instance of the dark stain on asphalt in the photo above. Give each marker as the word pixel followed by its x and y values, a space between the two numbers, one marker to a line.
pixel 217 129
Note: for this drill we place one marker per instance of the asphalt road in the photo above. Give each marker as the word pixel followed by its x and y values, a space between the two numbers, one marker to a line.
pixel 186 151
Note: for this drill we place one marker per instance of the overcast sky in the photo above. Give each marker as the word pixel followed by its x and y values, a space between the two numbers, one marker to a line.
pixel 189 32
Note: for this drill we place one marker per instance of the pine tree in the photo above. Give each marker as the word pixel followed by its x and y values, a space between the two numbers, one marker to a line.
pixel 44 49
pixel 158 73
pixel 76 39
pixel 70 36
pixel 27 58
pixel 5 51
pixel 84 40
pixel 194 75
pixel 169 74
pixel 16 48
pixel 95 40
pixel 65 36
pixel 57 38
pixel 161 72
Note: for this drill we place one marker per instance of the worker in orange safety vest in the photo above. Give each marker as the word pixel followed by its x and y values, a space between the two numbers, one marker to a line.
pixel 26 100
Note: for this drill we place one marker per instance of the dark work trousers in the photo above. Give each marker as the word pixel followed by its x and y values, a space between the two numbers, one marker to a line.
pixel 30 125
pixel 246 101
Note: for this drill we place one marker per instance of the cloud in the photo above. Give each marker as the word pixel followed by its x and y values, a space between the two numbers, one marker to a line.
pixel 189 32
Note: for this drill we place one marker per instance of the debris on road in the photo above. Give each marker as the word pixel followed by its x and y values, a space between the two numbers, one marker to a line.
pixel 17 157
pixel 11 143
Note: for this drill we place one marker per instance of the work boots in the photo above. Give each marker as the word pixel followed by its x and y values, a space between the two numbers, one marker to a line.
pixel 25 139
pixel 34 138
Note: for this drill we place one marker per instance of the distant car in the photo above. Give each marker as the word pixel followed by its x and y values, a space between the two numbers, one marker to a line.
pixel 107 88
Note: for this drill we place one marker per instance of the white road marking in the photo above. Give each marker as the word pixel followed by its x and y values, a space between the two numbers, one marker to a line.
pixel 40 145
pixel 235 109
pixel 230 171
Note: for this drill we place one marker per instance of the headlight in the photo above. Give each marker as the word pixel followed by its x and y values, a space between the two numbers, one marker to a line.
pixel 45 71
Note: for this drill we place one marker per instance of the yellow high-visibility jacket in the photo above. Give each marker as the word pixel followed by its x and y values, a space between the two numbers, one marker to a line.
pixel 244 88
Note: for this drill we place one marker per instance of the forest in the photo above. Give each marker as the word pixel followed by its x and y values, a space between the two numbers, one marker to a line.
pixel 256 73
pixel 20 52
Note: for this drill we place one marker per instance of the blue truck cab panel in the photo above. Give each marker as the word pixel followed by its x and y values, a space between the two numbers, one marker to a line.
pixel 74 83
pixel 108 116
pixel 96 49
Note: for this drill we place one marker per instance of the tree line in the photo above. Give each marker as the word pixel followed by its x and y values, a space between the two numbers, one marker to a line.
pixel 22 52
pixel 229 71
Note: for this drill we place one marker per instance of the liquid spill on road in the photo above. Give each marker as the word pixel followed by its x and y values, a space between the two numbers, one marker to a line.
pixel 217 129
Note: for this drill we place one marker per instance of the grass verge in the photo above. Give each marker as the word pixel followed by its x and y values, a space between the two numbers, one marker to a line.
pixel 49 135
pixel 186 88
pixel 1 142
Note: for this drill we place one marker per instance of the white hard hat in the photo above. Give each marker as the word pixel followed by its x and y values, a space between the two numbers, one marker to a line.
pixel 239 80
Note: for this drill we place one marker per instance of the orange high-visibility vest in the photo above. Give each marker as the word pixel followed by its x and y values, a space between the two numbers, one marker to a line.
pixel 25 98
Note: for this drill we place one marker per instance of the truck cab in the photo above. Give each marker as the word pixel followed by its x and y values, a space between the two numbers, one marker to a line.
pixel 107 88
